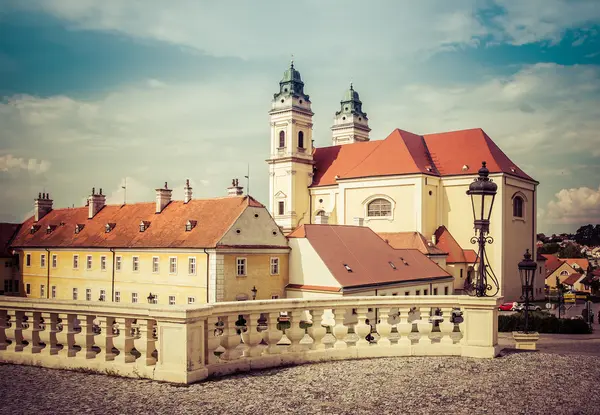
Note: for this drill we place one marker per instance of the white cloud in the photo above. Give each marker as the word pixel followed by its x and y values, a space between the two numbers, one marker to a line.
pixel 9 162
pixel 574 206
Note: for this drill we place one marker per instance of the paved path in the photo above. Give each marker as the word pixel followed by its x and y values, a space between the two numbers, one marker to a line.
pixel 567 344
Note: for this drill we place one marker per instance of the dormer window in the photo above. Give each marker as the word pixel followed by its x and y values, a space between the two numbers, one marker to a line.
pixel 78 227
pixel 348 268
pixel 392 265
pixel 189 225
pixel 33 229
pixel 144 225
pixel 109 227
pixel 49 229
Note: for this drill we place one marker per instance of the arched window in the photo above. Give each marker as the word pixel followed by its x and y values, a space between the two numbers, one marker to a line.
pixel 563 273
pixel 301 139
pixel 379 207
pixel 281 139
pixel 518 207
pixel 320 213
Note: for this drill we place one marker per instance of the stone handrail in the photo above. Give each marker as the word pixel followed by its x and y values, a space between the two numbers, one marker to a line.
pixel 185 344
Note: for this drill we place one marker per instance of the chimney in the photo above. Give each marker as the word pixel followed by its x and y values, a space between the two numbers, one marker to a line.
pixel 163 198
pixel 42 205
pixel 358 221
pixel 235 189
pixel 187 190
pixel 322 219
pixel 95 202
pixel 433 239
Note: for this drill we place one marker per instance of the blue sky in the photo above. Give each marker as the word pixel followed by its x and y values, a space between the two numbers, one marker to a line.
pixel 93 93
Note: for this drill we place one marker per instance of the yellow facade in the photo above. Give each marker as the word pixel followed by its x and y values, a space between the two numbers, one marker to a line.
pixel 8 284
pixel 257 274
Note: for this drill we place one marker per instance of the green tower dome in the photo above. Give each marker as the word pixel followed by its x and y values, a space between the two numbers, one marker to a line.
pixel 351 95
pixel 291 74
pixel 291 85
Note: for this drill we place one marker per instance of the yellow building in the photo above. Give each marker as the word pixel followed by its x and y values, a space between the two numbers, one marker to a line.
pixel 166 252
pixel 403 183
pixel 8 276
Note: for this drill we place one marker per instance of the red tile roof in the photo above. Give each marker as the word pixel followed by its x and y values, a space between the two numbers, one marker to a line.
pixel 582 262
pixel 552 263
pixel 402 152
pixel 313 287
pixel 7 232
pixel 572 279
pixel 447 243
pixel 368 256
pixel 411 240
pixel 167 229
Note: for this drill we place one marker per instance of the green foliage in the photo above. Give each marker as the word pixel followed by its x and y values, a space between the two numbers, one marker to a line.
pixel 570 251
pixel 542 323
pixel 588 235
pixel 550 248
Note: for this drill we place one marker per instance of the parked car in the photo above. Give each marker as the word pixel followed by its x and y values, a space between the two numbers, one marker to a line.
pixel 532 307
pixel 507 306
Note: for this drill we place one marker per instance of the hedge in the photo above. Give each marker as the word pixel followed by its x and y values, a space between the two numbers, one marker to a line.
pixel 542 323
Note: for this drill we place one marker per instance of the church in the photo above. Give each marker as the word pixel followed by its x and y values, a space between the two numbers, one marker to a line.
pixel 408 188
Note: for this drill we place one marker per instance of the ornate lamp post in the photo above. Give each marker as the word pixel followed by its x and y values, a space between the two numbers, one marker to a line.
pixel 254 291
pixel 483 192
pixel 527 268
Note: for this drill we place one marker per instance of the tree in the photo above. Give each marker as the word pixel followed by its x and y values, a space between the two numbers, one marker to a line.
pixel 588 235
pixel 570 251
pixel 550 248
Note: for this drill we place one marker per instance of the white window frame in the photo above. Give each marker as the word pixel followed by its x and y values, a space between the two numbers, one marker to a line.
pixel 244 265
pixel 134 298
pixel 280 207
pixel 75 294
pixel 117 296
pixel 27 260
pixel 102 295
pixel 154 299
pixel 42 291
pixel 171 300
pixel 89 262
pixel 54 260
pixel 118 263
pixel 155 261
pixel 135 263
pixel 88 294
pixel 191 300
pixel 103 263
pixel 75 261
pixel 53 291
pixel 171 263
pixel 372 198
pixel 28 289
pixel 274 262
pixel 192 264
pixel 42 260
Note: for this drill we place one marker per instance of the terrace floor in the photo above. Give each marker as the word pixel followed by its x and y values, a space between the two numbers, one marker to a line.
pixel 561 378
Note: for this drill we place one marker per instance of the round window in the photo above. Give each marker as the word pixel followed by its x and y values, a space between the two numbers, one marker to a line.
pixel 343 118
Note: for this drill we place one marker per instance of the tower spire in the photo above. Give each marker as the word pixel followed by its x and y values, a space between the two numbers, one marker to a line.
pixel 350 124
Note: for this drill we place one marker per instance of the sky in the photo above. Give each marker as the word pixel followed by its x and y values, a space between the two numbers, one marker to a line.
pixel 99 93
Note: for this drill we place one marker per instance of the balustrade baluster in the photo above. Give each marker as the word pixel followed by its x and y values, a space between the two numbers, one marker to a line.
pixel 31 332
pixel 230 339
pixel 85 338
pixel 404 327
pixel 446 327
pixel 295 333
pixel 3 328
pixel 251 336
pixel 104 339
pixel 124 341
pixel 384 328
pixel 48 335
pixel 15 332
pixel 272 335
pixel 362 329
pixel 213 340
pixel 145 343
pixel 339 330
pixel 317 331
pixel 424 326
pixel 66 336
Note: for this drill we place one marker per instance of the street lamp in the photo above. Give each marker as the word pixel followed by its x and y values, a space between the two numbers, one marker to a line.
pixel 527 268
pixel 483 192
pixel 254 291
pixel 151 298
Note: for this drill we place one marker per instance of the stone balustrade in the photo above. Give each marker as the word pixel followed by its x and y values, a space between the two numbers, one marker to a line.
pixel 185 344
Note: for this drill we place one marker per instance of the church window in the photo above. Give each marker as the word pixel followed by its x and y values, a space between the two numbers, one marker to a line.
pixel 281 139
pixel 301 139
pixel 379 207
pixel 320 213
pixel 280 208
pixel 518 207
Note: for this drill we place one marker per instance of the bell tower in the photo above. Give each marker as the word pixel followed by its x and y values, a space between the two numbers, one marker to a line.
pixel 291 161
pixel 350 124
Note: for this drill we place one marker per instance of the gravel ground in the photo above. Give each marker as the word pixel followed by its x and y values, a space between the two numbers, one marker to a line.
pixel 515 383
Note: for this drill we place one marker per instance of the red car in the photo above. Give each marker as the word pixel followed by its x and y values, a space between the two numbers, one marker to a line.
pixel 507 307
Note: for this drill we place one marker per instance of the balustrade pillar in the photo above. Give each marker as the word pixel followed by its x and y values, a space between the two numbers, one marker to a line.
pixel 230 339
pixel 104 340
pixel 317 331
pixel 213 339
pixel 447 327
pixel 384 329
pixel 66 336
pixel 48 335
pixel 272 335
pixel 424 326
pixel 85 338
pixel 31 332
pixel 3 328
pixel 145 343
pixel 404 327
pixel 251 336
pixel 295 333
pixel 124 340
pixel 339 330
pixel 15 332
pixel 362 329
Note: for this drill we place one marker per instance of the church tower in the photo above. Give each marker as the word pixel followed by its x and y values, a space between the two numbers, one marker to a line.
pixel 350 124
pixel 291 162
